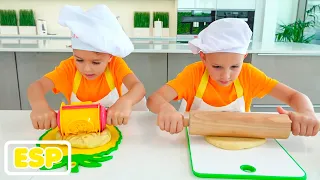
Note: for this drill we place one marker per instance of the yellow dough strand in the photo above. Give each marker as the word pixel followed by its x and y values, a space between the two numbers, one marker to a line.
pixel 234 143
pixel 86 140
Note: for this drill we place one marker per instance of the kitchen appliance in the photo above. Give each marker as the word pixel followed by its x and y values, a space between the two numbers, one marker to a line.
pixel 246 15
pixel 199 21
pixel 187 19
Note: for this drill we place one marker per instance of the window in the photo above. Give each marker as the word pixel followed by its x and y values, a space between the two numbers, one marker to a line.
pixel 313 9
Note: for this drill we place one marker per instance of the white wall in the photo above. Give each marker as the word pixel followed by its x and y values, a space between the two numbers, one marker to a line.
pixel 269 14
pixel 49 11
pixel 217 4
pixel 287 11
pixel 270 21
pixel 258 21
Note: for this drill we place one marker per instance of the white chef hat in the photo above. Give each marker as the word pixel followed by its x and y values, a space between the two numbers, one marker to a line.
pixel 96 30
pixel 223 35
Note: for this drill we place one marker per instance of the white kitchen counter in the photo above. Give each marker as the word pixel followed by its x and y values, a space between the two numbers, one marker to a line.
pixel 145 151
pixel 162 46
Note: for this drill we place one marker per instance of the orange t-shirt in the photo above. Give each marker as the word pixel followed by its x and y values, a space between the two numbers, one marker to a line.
pixel 253 81
pixel 89 90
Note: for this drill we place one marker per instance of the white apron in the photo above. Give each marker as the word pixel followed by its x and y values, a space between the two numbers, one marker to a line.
pixel 198 104
pixel 113 95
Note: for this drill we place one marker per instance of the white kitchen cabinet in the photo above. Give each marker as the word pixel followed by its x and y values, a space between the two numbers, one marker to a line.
pixel 32 66
pixel 217 4
pixel 150 68
pixel 186 4
pixel 236 4
pixel 299 72
pixel 212 4
pixel 9 88
pixel 204 4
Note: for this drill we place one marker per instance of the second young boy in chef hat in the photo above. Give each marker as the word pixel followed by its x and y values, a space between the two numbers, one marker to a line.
pixel 221 81
pixel 96 72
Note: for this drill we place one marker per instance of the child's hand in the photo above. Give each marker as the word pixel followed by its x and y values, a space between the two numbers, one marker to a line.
pixel 119 112
pixel 170 120
pixel 43 118
pixel 303 124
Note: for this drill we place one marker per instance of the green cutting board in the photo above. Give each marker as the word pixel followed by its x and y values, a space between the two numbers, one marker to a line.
pixel 269 161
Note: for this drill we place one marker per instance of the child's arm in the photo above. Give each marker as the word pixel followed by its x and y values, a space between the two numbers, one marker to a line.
pixel 298 101
pixel 161 98
pixel 169 119
pixel 42 116
pixel 136 90
pixel 119 113
pixel 304 120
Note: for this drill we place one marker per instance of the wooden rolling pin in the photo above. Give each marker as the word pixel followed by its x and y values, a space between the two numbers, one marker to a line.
pixel 237 124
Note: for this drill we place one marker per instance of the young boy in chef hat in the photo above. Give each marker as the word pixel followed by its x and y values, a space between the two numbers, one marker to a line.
pixel 222 82
pixel 96 72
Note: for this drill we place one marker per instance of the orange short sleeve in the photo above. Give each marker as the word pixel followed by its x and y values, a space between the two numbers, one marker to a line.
pixel 186 82
pixel 119 69
pixel 260 84
pixel 62 77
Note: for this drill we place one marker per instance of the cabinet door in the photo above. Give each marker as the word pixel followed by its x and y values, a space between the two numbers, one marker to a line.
pixel 186 4
pixel 236 4
pixel 151 69
pixel 9 89
pixel 299 72
pixel 206 4
pixel 32 66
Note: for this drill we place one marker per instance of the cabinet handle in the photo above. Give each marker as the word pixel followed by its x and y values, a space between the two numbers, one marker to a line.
pixel 276 105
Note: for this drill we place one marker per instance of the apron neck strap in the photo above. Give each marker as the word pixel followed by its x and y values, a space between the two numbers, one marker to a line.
pixel 203 84
pixel 109 78
pixel 204 81
pixel 76 82
pixel 238 88
pixel 78 77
